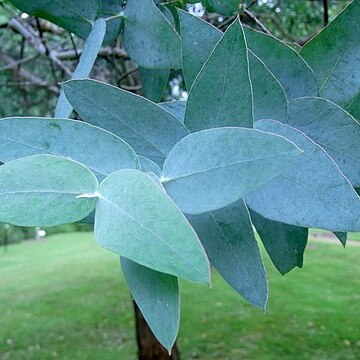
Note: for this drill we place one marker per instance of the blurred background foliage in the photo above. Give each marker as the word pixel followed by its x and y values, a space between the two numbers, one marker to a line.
pixel 30 78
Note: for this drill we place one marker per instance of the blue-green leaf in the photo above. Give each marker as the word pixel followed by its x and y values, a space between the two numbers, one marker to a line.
pixel 147 165
pixel 335 130
pixel 137 220
pixel 284 243
pixel 87 59
pixel 176 108
pixel 223 7
pixel 148 128
pixel 311 193
pixel 198 40
pixel 334 56
pixel 149 38
pixel 157 296
pixel 75 16
pixel 154 83
pixel 68 138
pixel 286 64
pixel 229 241
pixel 221 94
pixel 270 100
pixel 44 190
pixel 212 168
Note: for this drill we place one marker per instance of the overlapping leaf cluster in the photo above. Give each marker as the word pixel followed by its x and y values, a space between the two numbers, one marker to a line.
pixel 267 138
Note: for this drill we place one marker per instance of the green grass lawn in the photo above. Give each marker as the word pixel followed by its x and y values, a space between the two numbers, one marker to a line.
pixel 64 298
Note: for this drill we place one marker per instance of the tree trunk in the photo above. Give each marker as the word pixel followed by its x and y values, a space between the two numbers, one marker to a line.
pixel 149 347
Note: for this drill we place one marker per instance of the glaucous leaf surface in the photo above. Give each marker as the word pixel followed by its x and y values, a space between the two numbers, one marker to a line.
pixel 149 38
pixel 221 94
pixel 75 16
pixel 111 8
pixel 137 220
pixel 310 193
pixel 198 40
pixel 43 190
pixel 147 165
pixel 284 243
pixel 98 149
pixel 285 63
pixel 334 129
pixel 157 296
pixel 334 55
pixel 270 100
pixel 148 128
pixel 86 62
pixel 154 83
pixel 210 169
pixel 229 241
pixel 176 108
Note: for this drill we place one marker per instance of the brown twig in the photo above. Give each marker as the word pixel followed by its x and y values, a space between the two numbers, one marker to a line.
pixel 257 21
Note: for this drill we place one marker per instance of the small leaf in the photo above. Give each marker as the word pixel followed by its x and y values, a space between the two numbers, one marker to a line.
pixel 43 190
pixel 154 83
pixel 176 108
pixel 284 243
pixel 221 94
pixel 157 296
pixel 335 130
pixel 87 59
pixel 148 128
pixel 342 236
pixel 68 138
pixel 333 54
pixel 310 193
pixel 149 38
pixel 229 241
pixel 137 220
pixel 212 168
pixel 286 64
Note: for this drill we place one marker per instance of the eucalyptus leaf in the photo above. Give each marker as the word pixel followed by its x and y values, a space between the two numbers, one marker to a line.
pixel 198 40
pixel 284 243
pixel 87 59
pixel 157 296
pixel 342 236
pixel 334 56
pixel 149 38
pixel 223 7
pixel 75 16
pixel 147 165
pixel 212 168
pixel 270 101
pixel 335 130
pixel 68 138
pixel 229 241
pixel 148 128
pixel 137 220
pixel 43 190
pixel 176 108
pixel 154 83
pixel 289 68
pixel 311 193
pixel 221 94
